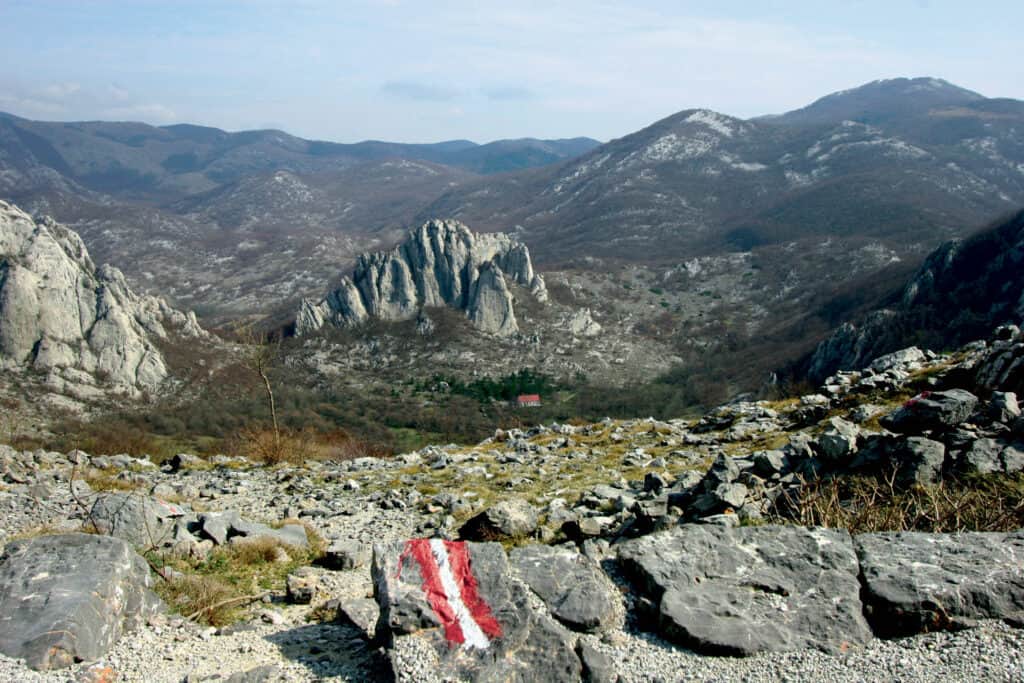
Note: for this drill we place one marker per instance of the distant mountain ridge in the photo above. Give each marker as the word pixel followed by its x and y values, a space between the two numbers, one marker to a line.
pixel 136 160
pixel 880 101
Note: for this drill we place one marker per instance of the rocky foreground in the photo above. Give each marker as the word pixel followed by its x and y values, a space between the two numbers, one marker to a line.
pixel 622 550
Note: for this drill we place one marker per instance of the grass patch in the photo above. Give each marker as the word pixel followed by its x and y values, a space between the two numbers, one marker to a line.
pixel 107 480
pixel 217 589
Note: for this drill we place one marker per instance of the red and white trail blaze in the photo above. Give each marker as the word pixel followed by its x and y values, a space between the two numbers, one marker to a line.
pixel 452 591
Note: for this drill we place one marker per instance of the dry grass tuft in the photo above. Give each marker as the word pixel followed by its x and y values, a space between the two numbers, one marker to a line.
pixel 870 504
pixel 262 550
pixel 208 598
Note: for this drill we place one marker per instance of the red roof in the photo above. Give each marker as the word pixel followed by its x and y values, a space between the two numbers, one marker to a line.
pixel 529 398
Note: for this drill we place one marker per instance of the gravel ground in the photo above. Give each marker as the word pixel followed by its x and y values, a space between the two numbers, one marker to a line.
pixel 993 652
pixel 170 654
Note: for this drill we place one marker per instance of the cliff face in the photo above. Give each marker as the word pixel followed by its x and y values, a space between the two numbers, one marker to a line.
pixel 442 263
pixel 61 315
pixel 962 291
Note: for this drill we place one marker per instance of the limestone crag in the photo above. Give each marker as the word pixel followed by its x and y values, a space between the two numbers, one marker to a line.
pixel 61 315
pixel 442 263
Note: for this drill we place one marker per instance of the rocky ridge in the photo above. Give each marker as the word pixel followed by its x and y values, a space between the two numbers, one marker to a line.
pixel 440 264
pixel 82 326
pixel 617 499
pixel 962 290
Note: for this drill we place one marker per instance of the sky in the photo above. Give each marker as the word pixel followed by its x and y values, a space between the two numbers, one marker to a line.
pixel 431 70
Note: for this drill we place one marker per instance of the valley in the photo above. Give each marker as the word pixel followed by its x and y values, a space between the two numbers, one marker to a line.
pixel 720 399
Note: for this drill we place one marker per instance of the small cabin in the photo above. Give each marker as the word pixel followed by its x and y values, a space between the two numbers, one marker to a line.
pixel 528 401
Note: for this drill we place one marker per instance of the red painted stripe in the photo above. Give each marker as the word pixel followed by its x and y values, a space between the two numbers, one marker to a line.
pixel 419 549
pixel 458 558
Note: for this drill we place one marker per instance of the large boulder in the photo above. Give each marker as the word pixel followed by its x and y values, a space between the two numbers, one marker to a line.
pixel 143 522
pixel 69 598
pixel 916 582
pixel 452 610
pixel 935 410
pixel 738 591
pixel 574 588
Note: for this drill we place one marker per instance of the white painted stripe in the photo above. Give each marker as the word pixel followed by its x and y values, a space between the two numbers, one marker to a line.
pixel 471 631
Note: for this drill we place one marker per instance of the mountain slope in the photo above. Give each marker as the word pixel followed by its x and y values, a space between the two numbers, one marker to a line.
pixel 927 162
pixel 962 291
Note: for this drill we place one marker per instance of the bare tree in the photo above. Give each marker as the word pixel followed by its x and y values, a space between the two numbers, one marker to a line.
pixel 263 352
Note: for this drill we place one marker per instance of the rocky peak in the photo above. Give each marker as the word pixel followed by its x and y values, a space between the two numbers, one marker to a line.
pixel 61 315
pixel 442 263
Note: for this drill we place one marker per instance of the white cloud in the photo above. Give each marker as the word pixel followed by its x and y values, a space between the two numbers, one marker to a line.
pixel 147 113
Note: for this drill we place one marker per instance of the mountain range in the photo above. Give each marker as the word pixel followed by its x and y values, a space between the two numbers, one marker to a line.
pixel 705 232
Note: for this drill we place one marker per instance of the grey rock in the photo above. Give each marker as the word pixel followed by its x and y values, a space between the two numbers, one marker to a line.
pixel 441 263
pixel 898 359
pixel 978 456
pixel 597 666
pixel 919 460
pixel 1004 407
pixel 740 591
pixel 916 582
pixel 142 521
pixel 935 410
pixel 289 534
pixel 217 525
pixel 769 463
pixel 1012 458
pixel 82 325
pixel 723 497
pixel 839 440
pixel 523 644
pixel 268 673
pixel 1002 367
pixel 490 302
pixel 850 346
pixel 575 589
pixel 345 555
pixel 69 598
pixel 302 585
pixel 509 519
pixel 723 470
pixel 363 613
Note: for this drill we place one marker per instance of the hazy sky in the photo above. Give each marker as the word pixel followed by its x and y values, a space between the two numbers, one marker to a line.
pixel 423 70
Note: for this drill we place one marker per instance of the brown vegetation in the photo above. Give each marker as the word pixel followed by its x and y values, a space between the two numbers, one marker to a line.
pixel 864 504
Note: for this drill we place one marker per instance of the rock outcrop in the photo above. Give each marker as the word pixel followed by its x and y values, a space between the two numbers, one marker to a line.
pixel 919 582
pixel 741 591
pixel 442 263
pixel 61 315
